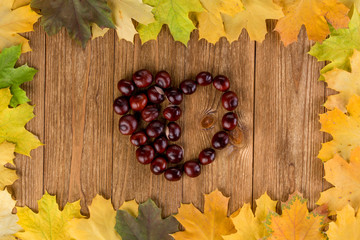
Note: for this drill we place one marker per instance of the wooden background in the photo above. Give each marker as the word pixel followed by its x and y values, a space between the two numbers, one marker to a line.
pixel 280 99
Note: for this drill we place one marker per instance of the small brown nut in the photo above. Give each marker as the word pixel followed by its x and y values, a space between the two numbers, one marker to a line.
pixel 236 136
pixel 208 121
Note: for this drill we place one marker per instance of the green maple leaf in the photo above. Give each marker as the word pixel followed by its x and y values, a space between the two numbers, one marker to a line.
pixel 148 225
pixel 12 122
pixel 339 47
pixel 174 13
pixel 14 77
pixel 75 15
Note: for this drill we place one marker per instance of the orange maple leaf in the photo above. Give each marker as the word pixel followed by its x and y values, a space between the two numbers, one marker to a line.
pixel 314 14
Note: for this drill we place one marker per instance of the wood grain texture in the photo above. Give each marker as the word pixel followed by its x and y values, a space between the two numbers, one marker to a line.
pixel 288 99
pixel 78 114
pixel 29 187
pixel 85 154
pixel 232 165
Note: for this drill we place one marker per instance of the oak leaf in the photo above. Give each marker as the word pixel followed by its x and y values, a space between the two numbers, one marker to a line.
pixel 295 222
pixel 212 224
pixel 339 47
pixel 100 225
pixel 174 13
pixel 147 225
pixel 8 225
pixel 248 226
pixel 314 14
pixel 7 175
pixel 14 77
pixel 75 15
pixel 346 83
pixel 49 223
pixel 122 13
pixel 252 19
pixel 346 226
pixel 12 121
pixel 344 128
pixel 346 180
pixel 210 22
pixel 13 22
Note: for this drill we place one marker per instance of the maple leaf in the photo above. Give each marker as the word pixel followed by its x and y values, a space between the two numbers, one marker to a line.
pixel 210 22
pixel 351 3
pixel 314 14
pixel 49 223
pixel 174 13
pixel 8 220
pixel 252 19
pixel 212 224
pixel 248 226
pixel 147 225
pixel 75 15
pixel 346 179
pixel 346 226
pixel 7 176
pixel 346 83
pixel 295 222
pixel 15 21
pixel 339 47
pixel 122 12
pixel 14 77
pixel 12 121
pixel 100 225
pixel 344 128
pixel 20 3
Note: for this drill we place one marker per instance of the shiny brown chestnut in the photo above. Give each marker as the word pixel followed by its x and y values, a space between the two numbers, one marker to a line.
pixel 158 165
pixel 192 169
pixel 173 174
pixel 128 124
pixel 145 154
pixel 121 105
pixel 163 79
pixel 220 140
pixel 142 78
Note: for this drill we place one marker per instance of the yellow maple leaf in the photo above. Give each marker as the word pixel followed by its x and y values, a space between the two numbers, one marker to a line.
pixel 49 223
pixel 248 226
pixel 210 22
pixel 346 226
pixel 12 121
pixel 350 3
pixel 314 14
pixel 344 128
pixel 8 220
pixel 295 222
pixel 122 12
pixel 20 3
pixel 346 83
pixel 252 19
pixel 212 224
pixel 101 223
pixel 15 21
pixel 346 179
pixel 7 175
pixel 8 238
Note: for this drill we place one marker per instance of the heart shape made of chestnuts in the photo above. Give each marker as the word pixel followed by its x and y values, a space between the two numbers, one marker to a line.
pixel 141 99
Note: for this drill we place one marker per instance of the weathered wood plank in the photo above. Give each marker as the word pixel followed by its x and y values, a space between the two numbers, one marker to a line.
pixel 131 179
pixel 231 172
pixel 85 154
pixel 78 154
pixel 29 188
pixel 288 99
